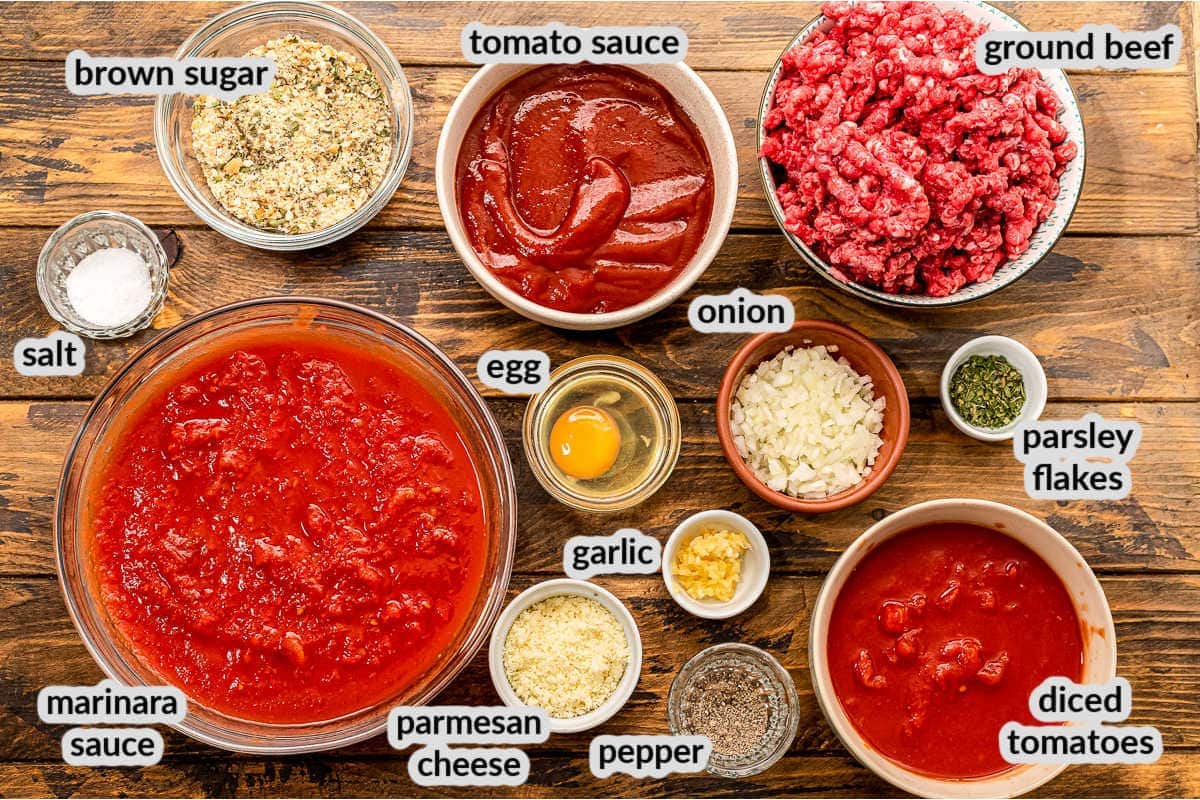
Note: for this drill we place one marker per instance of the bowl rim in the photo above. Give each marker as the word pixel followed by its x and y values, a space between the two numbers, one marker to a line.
pixel 459 118
pixel 901 777
pixel 772 665
pixel 556 587
pixel 746 594
pixel 1004 346
pixel 395 86
pixel 818 265
pixel 313 742
pixel 880 472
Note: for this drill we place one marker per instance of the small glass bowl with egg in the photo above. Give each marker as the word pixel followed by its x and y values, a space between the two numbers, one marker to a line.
pixel 604 435
pixel 127 304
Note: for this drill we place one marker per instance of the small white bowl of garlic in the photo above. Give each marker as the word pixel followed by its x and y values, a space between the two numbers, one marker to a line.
pixel 715 564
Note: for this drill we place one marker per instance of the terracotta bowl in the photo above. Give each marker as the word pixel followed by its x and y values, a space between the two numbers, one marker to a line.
pixel 866 358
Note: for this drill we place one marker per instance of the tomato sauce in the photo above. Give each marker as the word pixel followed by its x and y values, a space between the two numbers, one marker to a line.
pixel 937 639
pixel 584 188
pixel 291 530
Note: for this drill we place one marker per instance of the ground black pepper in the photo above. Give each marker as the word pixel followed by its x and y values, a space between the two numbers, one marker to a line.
pixel 732 709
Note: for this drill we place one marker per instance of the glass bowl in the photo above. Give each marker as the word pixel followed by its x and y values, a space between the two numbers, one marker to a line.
pixel 235 33
pixel 129 387
pixel 652 414
pixel 740 662
pixel 80 237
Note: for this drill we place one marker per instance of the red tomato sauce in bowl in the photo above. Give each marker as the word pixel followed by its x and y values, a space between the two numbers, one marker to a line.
pixel 937 639
pixel 290 529
pixel 584 188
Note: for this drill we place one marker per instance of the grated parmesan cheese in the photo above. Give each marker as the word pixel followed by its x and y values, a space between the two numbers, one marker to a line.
pixel 565 654
pixel 806 424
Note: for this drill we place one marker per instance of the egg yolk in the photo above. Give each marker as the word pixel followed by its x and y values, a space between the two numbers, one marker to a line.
pixel 584 442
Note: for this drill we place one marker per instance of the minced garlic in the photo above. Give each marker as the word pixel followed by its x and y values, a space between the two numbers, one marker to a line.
pixel 565 654
pixel 709 566
pixel 306 153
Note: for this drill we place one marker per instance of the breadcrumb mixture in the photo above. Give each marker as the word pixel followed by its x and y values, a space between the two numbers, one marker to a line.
pixel 305 154
pixel 565 654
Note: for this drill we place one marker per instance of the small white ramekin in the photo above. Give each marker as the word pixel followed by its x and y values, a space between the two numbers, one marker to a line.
pixel 1099 636
pixel 756 564
pixel 554 588
pixel 1022 359
pixel 694 98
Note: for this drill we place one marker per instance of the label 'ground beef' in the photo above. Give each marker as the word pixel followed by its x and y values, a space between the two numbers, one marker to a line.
pixel 907 168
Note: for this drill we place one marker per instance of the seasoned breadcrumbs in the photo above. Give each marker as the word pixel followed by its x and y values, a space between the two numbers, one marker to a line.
pixel 305 154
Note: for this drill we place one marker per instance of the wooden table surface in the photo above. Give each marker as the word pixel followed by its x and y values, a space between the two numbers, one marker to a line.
pixel 1112 313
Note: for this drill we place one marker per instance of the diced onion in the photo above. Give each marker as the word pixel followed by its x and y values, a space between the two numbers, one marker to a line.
pixel 806 424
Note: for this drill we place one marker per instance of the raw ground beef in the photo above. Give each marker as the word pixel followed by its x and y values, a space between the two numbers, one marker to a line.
pixel 907 168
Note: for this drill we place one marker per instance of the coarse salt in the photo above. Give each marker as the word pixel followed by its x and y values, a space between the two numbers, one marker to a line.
pixel 110 287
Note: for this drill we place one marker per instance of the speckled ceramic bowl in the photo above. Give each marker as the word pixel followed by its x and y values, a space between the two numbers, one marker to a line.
pixel 1044 238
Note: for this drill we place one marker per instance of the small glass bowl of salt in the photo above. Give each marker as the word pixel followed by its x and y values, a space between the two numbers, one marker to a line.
pixel 103 274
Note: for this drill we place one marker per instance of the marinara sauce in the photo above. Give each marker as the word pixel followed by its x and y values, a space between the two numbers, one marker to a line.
pixel 291 530
pixel 937 639
pixel 584 188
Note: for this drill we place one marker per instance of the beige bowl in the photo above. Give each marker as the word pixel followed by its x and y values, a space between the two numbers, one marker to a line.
pixel 696 100
pixel 1099 638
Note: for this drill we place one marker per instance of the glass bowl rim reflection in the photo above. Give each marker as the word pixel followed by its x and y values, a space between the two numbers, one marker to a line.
pixel 61 238
pixel 478 427
pixel 771 665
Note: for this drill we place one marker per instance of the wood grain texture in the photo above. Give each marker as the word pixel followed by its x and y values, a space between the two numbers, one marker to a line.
pixel 64 154
pixel 794 776
pixel 1158 627
pixel 1065 310
pixel 1156 528
pixel 1112 313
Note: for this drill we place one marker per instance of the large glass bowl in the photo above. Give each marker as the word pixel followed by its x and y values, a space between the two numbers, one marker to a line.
pixel 152 365
pixel 235 33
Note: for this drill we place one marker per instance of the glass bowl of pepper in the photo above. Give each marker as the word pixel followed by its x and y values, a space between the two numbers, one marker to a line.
pixel 990 386
pixel 743 700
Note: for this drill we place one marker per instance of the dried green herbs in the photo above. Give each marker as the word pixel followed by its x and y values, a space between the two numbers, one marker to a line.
pixel 987 391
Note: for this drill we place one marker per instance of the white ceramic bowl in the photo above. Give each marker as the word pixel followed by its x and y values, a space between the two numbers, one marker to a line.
pixel 756 564
pixel 553 588
pixel 1043 239
pixel 693 97
pixel 1099 645
pixel 1020 357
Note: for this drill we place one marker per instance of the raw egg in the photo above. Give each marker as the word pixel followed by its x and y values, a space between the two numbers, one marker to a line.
pixel 585 441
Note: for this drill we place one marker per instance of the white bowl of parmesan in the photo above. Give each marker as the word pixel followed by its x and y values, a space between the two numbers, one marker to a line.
pixel 570 648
